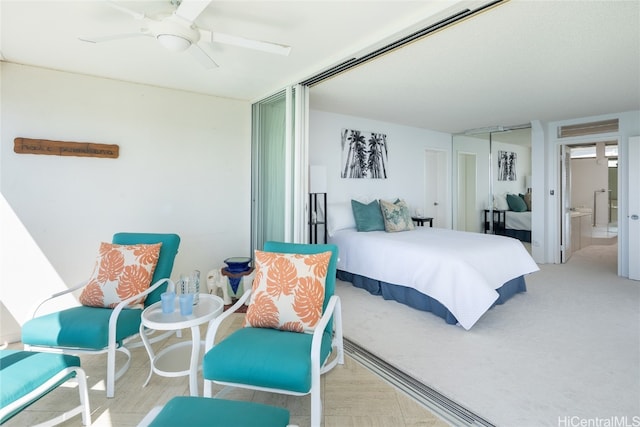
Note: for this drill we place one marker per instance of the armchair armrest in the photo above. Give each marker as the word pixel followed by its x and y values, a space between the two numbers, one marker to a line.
pixel 74 288
pixel 215 324
pixel 113 319
pixel 333 307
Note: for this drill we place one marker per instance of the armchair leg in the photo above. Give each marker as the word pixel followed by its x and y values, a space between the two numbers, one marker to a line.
pixel 316 408
pixel 112 375
pixel 338 335
pixel 208 385
pixel 81 378
pixel 111 371
pixel 316 398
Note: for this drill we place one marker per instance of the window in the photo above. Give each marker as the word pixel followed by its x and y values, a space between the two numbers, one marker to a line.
pixel 591 128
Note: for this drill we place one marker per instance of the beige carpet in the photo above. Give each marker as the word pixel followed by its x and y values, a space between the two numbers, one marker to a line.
pixel 568 349
pixel 351 395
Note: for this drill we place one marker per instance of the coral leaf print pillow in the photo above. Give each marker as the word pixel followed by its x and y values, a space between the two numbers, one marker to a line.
pixel 288 291
pixel 121 272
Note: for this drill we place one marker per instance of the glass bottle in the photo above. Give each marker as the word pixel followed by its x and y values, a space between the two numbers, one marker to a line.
pixel 194 286
pixel 182 287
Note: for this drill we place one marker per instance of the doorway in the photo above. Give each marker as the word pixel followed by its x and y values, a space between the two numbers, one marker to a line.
pixel 436 197
pixel 589 196
pixel 467 218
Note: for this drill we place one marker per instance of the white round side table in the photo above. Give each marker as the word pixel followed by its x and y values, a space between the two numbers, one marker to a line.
pixel 171 361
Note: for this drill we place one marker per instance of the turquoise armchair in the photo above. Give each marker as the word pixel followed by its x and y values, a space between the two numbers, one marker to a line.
pixel 81 330
pixel 274 360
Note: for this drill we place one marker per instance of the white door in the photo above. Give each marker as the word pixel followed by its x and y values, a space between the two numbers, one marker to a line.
pixel 435 190
pixel 565 188
pixel 633 217
pixel 467 217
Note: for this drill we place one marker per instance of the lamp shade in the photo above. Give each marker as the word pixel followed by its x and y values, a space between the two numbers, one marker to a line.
pixel 317 179
pixel 527 182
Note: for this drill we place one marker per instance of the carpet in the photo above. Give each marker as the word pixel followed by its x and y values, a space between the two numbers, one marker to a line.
pixel 567 349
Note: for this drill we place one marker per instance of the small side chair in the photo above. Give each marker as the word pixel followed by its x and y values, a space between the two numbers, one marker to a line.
pixel 95 330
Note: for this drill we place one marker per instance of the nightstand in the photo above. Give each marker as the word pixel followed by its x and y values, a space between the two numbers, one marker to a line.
pixel 317 217
pixel 419 220
pixel 498 221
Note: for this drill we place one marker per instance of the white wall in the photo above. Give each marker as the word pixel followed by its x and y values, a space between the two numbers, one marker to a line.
pixel 184 167
pixel 407 147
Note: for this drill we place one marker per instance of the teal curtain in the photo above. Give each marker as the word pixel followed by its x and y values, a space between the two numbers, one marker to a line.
pixel 268 152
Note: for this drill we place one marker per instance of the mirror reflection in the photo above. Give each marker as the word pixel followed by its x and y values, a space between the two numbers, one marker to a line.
pixel 492 178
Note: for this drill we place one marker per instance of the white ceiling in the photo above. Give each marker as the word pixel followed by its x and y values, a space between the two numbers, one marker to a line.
pixel 522 60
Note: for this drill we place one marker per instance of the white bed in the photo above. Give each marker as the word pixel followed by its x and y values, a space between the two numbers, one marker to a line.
pixel 462 271
pixel 518 220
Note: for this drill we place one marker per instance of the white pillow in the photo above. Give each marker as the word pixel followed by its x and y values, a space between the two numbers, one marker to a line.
pixel 500 202
pixel 339 217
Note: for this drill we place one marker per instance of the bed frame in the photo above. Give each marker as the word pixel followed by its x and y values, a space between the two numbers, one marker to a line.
pixel 522 235
pixel 499 226
pixel 420 301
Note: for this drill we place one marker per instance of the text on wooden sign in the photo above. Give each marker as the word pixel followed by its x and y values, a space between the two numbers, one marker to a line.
pixel 65 148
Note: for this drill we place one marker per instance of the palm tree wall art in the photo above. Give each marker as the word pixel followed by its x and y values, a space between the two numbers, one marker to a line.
pixel 364 154
pixel 507 165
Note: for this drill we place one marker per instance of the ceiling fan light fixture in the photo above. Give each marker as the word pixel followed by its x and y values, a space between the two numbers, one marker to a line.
pixel 174 42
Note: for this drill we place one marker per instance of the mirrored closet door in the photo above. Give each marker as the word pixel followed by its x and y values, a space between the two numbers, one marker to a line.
pixel 491 178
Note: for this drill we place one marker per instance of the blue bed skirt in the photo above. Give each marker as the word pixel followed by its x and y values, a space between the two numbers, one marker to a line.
pixel 522 235
pixel 420 301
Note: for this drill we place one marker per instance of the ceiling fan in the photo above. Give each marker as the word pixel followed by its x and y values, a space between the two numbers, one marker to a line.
pixel 178 32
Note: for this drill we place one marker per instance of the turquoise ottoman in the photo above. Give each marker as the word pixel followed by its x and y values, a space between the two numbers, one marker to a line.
pixel 210 412
pixel 26 376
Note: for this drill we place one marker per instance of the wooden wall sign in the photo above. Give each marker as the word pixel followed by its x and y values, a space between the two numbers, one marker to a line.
pixel 65 148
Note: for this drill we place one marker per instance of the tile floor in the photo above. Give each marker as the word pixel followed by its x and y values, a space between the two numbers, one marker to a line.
pixel 352 396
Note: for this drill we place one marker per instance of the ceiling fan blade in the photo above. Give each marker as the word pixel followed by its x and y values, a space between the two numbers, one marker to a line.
pixel 205 35
pixel 136 15
pixel 276 48
pixel 191 9
pixel 202 56
pixel 100 39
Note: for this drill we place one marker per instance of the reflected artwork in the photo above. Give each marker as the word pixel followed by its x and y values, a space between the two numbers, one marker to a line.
pixel 507 165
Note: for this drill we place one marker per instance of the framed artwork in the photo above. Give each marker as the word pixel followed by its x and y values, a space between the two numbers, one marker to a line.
pixel 507 165
pixel 364 154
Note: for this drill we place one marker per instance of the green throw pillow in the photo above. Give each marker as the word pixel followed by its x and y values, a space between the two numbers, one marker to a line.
pixel 368 217
pixel 516 203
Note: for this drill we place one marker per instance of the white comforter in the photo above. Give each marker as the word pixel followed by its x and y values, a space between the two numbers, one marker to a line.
pixel 459 269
